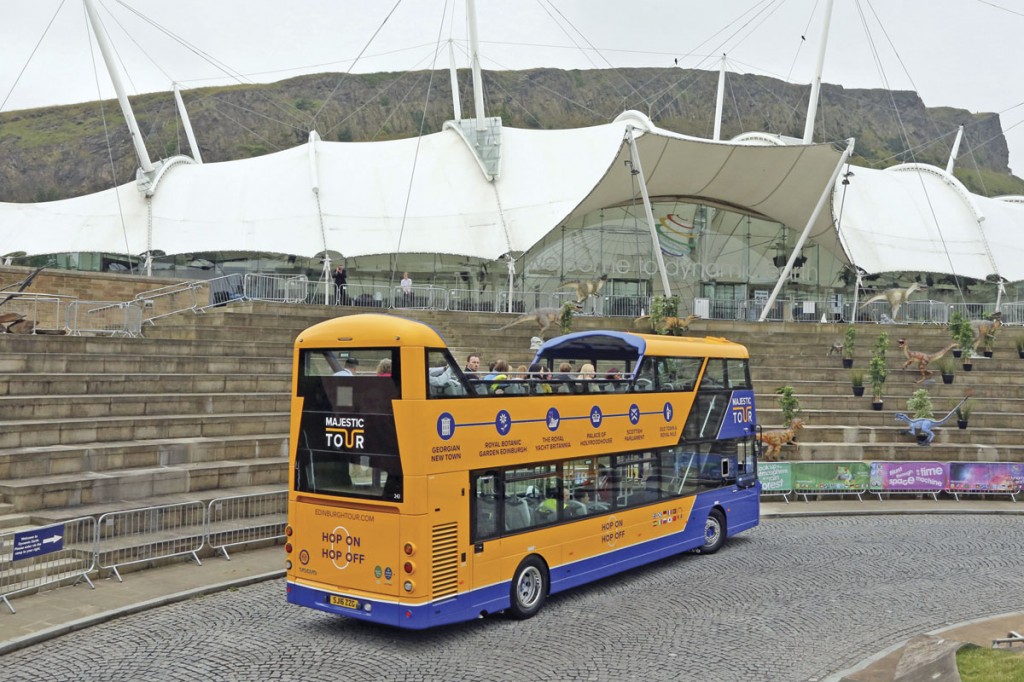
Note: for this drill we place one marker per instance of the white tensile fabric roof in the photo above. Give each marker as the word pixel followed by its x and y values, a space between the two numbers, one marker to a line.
pixel 916 217
pixel 429 195
pixel 425 195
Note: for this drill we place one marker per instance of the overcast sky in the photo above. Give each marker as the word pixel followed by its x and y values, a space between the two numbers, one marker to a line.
pixel 960 53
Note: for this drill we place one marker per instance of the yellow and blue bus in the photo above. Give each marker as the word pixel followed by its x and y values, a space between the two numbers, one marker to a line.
pixel 422 495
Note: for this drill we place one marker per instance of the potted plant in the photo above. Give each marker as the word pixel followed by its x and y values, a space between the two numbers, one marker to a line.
pixel 849 340
pixel 920 406
pixel 988 338
pixel 857 382
pixel 1020 347
pixel 788 403
pixel 877 370
pixel 963 334
pixel 963 414
pixel 663 307
pixel 565 317
pixel 946 367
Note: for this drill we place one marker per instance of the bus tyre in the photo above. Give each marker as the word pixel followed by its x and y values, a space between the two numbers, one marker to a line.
pixel 714 533
pixel 529 588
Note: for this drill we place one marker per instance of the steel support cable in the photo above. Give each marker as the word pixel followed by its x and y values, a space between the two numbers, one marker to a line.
pixel 416 154
pixel 31 55
pixel 356 60
pixel 232 73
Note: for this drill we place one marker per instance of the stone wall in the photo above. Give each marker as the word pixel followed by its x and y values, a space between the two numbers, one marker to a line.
pixel 89 286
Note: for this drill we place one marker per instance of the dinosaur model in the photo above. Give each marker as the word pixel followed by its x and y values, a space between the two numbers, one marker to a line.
pixel 672 324
pixel 543 317
pixel 985 331
pixel 836 347
pixel 922 426
pixel 922 359
pixel 772 441
pixel 896 297
pixel 585 288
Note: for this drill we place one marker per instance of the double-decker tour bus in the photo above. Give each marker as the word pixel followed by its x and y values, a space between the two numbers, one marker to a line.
pixel 421 495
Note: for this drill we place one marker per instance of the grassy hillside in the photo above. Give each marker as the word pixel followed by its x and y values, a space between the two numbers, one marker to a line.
pixel 67 151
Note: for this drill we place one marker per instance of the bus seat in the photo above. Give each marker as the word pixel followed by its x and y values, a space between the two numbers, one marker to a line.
pixel 517 514
pixel 575 508
pixel 486 517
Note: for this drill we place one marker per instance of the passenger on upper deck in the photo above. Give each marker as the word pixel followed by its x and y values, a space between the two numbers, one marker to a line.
pixel 350 368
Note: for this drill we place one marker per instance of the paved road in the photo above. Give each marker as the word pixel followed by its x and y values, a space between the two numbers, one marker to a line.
pixel 795 599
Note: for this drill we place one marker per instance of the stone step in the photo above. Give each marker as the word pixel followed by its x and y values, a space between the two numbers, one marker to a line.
pixel 243 346
pixel 15 523
pixel 42 432
pixel 51 383
pixel 903 452
pixel 120 364
pixel 282 337
pixel 139 404
pixel 57 514
pixel 100 457
pixel 946 434
pixel 771 416
pixel 91 488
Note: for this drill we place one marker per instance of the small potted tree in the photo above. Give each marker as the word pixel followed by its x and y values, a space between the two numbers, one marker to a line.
pixel 877 370
pixel 788 403
pixel 987 340
pixel 849 340
pixel 1020 347
pixel 857 382
pixel 946 367
pixel 961 333
pixel 963 414
pixel 920 406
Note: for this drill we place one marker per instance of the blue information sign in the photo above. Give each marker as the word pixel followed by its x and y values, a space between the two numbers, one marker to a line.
pixel 38 541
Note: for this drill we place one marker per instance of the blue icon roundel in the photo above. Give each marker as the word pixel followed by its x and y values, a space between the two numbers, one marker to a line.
pixel 634 414
pixel 553 419
pixel 503 422
pixel 667 411
pixel 446 426
pixel 595 416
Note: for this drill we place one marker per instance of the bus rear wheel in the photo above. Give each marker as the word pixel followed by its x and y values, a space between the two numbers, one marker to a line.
pixel 529 588
pixel 714 533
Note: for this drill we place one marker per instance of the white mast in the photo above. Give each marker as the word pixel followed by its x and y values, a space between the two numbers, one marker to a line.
pixel 115 78
pixel 474 56
pixel 456 103
pixel 812 105
pixel 188 125
pixel 720 101
pixel 638 170
pixel 954 152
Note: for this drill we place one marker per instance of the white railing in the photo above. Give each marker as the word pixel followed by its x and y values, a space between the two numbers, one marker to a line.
pixel 234 521
pixel 105 317
pixel 138 535
pixel 40 313
pixel 33 559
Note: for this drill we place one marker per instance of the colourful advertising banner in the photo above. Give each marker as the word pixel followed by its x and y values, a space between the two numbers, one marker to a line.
pixel 1017 472
pixel 982 477
pixel 909 476
pixel 831 477
pixel 775 476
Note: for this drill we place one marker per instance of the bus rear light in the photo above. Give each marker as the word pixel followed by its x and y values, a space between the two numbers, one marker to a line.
pixel 409 586
pixel 288 547
pixel 409 548
pixel 288 531
pixel 288 564
pixel 409 567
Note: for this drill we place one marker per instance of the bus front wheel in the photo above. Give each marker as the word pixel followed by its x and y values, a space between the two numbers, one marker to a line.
pixel 529 588
pixel 714 533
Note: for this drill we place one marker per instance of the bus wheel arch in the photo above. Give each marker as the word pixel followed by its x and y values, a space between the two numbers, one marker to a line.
pixel 529 588
pixel 714 531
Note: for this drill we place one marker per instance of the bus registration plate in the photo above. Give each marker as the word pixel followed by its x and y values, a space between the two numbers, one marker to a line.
pixel 347 602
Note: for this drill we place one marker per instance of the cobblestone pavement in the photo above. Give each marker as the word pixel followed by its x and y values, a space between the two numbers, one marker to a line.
pixel 795 599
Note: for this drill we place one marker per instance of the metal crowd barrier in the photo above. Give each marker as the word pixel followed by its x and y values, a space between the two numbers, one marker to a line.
pixel 53 554
pixel 233 521
pixel 33 559
pixel 138 535
pixel 294 289
pixel 45 312
pixel 426 297
pixel 105 317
